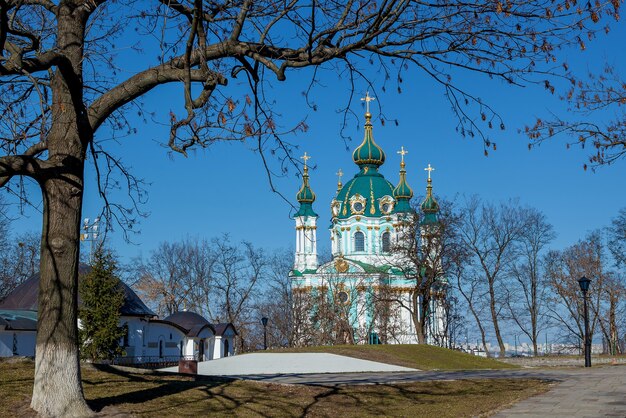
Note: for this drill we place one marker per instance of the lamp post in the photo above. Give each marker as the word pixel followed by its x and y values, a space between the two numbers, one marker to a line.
pixel 584 287
pixel 264 322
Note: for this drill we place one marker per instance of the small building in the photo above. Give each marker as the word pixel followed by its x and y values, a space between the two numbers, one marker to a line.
pixel 147 340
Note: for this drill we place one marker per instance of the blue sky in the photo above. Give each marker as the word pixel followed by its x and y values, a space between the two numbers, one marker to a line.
pixel 223 189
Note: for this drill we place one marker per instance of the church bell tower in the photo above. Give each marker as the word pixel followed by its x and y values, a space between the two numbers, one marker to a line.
pixel 306 225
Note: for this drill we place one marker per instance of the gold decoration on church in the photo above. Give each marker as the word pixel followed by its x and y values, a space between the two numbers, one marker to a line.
pixel 386 204
pixel 335 207
pixel 357 204
pixel 341 265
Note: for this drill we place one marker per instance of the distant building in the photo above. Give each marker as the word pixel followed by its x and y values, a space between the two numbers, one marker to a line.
pixel 147 339
pixel 367 222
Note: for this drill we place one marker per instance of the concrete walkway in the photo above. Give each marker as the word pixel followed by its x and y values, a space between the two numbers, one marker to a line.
pixel 290 364
pixel 595 392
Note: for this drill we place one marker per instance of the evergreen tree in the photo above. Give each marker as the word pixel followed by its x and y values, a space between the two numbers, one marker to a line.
pixel 102 298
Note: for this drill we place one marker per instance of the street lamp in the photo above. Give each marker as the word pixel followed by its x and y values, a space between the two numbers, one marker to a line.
pixel 264 322
pixel 584 287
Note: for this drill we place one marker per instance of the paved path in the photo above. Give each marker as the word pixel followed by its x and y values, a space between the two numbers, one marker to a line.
pixel 289 364
pixel 595 392
pixel 578 392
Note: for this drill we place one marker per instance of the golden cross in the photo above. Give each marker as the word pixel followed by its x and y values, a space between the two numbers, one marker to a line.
pixel 305 158
pixel 402 152
pixel 340 174
pixel 367 99
pixel 429 169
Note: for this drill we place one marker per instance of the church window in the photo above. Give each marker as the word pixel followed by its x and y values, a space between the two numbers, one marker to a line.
pixel 386 241
pixel 359 241
pixel 343 297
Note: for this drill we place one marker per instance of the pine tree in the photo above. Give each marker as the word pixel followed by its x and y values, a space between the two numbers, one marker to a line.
pixel 102 298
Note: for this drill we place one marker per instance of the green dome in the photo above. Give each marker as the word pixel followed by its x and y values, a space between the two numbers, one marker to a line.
pixel 368 187
pixel 430 207
pixel 368 152
pixel 305 196
pixel 403 192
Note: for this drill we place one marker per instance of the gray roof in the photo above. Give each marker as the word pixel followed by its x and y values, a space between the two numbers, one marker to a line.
pixel 220 329
pixel 25 297
pixel 190 321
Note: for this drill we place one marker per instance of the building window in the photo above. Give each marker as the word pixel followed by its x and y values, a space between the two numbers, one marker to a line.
pixel 359 241
pixel 386 242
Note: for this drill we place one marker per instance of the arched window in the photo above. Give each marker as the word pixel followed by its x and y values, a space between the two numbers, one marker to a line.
pixel 339 249
pixel 386 241
pixel 359 241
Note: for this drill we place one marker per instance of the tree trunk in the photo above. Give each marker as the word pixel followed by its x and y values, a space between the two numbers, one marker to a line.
pixel 57 389
pixel 418 318
pixel 494 318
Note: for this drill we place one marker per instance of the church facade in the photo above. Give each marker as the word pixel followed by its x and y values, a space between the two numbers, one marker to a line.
pixel 367 293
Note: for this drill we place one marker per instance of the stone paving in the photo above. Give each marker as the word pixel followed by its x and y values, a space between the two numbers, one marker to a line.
pixel 594 392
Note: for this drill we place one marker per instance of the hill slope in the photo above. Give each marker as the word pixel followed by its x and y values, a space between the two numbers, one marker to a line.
pixel 417 356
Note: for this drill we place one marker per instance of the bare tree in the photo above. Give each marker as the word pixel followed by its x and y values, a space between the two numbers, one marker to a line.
pixel 63 80
pixel 525 300
pixel 276 300
pixel 565 305
pixel 491 234
pixel 164 280
pixel 423 253
pixel 617 239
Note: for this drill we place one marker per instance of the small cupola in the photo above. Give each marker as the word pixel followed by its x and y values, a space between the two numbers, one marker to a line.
pixel 403 192
pixel 430 207
pixel 368 153
pixel 305 195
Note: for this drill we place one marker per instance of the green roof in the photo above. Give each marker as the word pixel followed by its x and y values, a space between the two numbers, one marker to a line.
pixel 368 152
pixel 369 268
pixel 306 209
pixel 371 186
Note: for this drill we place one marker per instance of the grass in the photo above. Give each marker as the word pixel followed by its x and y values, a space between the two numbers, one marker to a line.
pixel 417 356
pixel 120 393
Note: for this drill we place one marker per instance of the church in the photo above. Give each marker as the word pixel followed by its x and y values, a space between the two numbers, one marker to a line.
pixel 364 295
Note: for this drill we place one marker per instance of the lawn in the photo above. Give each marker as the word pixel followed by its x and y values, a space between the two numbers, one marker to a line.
pixel 417 356
pixel 119 393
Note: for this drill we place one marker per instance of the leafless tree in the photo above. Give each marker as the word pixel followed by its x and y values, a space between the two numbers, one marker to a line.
pixel 491 234
pixel 526 296
pixel 216 278
pixel 611 307
pixel 162 280
pixel 63 80
pixel 617 239
pixel 565 304
pixel 423 253
pixel 275 300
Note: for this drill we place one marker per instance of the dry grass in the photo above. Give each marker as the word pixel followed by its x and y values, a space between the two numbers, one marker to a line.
pixel 417 356
pixel 117 393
